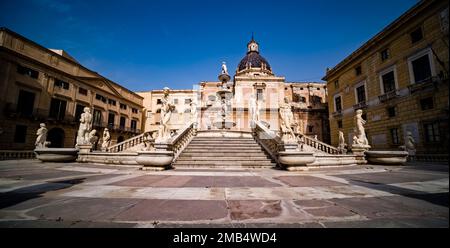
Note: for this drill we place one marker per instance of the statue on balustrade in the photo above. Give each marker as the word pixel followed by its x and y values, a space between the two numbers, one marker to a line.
pixel 41 140
pixel 106 139
pixel 360 138
pixel 148 141
pixel 194 114
pixel 410 146
pixel 166 114
pixel 287 121
pixel 342 145
pixel 85 127
pixel 93 139
pixel 254 108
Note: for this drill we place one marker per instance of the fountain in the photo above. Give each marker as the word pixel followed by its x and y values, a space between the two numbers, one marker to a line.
pixel 46 154
pixel 223 120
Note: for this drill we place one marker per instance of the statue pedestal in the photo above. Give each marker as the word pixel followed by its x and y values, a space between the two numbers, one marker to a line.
pixel 288 147
pixel 84 149
pixel 360 149
pixel 359 152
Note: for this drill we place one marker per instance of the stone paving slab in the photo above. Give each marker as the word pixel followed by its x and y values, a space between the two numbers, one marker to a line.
pixel 83 209
pixel 393 177
pixel 195 181
pixel 390 223
pixel 330 211
pixel 90 195
pixel 307 181
pixel 392 206
pixel 171 210
pixel 41 175
pixel 241 210
pixel 63 224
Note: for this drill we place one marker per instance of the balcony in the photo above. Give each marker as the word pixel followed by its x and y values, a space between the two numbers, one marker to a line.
pixel 388 96
pixel 10 111
pixel 337 114
pixel 360 105
pixel 61 91
pixel 118 128
pixel 428 84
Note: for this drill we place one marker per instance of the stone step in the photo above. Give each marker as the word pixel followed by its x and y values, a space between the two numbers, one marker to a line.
pixel 224 145
pixel 203 158
pixel 225 148
pixel 253 163
pixel 222 154
pixel 225 166
pixel 221 142
pixel 221 138
pixel 228 150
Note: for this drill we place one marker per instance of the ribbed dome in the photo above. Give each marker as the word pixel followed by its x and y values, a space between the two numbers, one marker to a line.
pixel 254 60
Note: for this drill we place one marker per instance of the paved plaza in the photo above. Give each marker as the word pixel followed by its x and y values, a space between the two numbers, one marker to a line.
pixel 36 194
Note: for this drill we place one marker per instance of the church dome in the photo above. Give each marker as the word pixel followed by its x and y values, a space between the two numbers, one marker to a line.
pixel 253 59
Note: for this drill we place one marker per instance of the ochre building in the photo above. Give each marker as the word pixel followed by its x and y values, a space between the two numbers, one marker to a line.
pixel 40 85
pixel 399 78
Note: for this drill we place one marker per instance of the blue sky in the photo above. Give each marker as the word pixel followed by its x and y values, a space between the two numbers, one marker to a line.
pixel 146 45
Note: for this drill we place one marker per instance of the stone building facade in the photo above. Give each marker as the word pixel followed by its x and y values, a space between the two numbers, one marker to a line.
pixel 399 78
pixel 152 111
pixel 253 77
pixel 40 85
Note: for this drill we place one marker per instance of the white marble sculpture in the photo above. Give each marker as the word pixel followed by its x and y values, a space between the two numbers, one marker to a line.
pixel 223 109
pixel 148 142
pixel 287 121
pixel 41 139
pixel 410 146
pixel 360 138
pixel 224 68
pixel 342 144
pixel 85 127
pixel 194 114
pixel 166 115
pixel 93 138
pixel 253 107
pixel 106 139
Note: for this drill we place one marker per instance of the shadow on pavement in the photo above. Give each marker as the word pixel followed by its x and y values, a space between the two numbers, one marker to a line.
pixel 17 196
pixel 441 199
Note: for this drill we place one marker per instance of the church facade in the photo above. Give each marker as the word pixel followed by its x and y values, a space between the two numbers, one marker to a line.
pixel 253 78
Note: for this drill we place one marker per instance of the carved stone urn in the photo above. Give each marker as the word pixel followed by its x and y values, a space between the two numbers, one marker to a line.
pixel 62 155
pixel 155 160
pixel 387 157
pixel 292 160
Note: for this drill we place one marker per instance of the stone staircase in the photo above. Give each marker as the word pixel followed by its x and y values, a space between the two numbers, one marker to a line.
pixel 223 152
